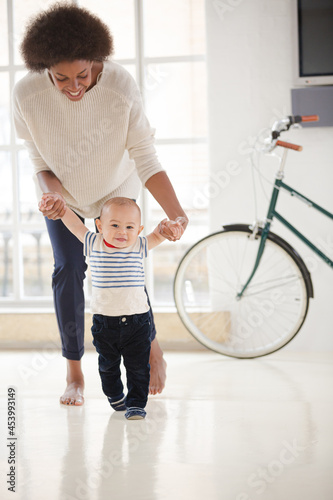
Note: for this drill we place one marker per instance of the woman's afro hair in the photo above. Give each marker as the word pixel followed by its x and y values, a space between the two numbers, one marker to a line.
pixel 65 32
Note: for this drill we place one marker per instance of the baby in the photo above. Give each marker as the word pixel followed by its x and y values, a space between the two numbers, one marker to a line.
pixel 121 321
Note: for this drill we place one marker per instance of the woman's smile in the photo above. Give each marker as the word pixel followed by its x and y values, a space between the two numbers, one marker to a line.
pixel 74 96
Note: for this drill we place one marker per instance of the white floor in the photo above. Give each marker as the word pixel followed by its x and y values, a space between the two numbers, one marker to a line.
pixel 223 429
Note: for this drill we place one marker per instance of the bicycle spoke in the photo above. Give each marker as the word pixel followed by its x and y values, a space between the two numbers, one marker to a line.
pixel 272 287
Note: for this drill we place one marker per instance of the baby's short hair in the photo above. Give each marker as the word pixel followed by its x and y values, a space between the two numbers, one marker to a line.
pixel 120 201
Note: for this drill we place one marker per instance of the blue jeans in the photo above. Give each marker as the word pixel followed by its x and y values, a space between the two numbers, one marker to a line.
pixel 67 283
pixel 127 337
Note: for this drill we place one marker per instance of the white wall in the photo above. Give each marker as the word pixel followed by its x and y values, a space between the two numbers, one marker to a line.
pixel 250 74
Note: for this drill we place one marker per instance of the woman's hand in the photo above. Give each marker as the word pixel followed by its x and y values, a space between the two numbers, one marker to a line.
pixel 52 205
pixel 173 230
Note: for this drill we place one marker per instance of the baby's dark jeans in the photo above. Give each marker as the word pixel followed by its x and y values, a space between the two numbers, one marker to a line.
pixel 127 337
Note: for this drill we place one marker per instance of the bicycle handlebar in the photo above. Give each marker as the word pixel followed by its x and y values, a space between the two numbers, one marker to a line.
pixel 284 125
pixel 289 145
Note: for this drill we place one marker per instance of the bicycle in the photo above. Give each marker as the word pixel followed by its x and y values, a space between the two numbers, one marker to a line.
pixel 244 291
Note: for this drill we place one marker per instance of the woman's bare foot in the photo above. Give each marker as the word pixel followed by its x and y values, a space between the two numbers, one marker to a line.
pixel 157 369
pixel 73 394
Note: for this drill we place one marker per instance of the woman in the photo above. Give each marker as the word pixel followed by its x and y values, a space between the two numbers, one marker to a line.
pixel 83 123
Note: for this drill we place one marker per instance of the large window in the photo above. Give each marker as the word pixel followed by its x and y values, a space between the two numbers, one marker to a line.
pixel 162 44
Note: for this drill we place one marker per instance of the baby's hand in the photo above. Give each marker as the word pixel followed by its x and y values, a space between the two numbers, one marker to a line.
pixel 47 201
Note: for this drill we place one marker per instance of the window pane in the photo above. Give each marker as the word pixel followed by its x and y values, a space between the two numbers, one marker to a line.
pixel 119 16
pixel 23 10
pixel 37 262
pixel 165 261
pixel 186 166
pixel 28 200
pixel 175 96
pixel 173 28
pixel 6 190
pixel 6 264
pixel 3 34
pixel 4 109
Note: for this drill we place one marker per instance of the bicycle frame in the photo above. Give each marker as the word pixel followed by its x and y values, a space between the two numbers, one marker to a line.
pixel 272 212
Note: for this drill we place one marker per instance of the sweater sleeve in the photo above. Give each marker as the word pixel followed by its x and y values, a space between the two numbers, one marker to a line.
pixel 35 157
pixel 22 132
pixel 140 141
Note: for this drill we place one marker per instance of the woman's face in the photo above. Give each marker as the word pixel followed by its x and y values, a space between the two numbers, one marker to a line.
pixel 72 78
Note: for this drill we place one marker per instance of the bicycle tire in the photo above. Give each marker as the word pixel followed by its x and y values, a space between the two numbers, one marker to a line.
pixel 273 307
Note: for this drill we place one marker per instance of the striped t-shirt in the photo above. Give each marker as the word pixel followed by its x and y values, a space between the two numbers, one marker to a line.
pixel 118 277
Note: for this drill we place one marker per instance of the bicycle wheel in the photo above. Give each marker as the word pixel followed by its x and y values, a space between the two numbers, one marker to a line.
pixel 272 308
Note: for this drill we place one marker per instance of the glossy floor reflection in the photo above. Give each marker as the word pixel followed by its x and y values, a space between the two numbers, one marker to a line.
pixel 223 429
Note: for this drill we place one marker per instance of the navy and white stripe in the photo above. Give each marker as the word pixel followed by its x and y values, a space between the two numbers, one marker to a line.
pixel 113 267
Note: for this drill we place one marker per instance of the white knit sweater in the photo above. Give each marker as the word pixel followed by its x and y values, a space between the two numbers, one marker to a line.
pixel 98 147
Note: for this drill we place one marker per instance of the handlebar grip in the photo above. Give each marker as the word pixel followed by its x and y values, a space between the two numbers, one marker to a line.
pixel 310 118
pixel 289 145
pixel 299 119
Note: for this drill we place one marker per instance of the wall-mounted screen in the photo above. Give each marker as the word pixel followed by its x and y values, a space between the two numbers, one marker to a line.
pixel 314 27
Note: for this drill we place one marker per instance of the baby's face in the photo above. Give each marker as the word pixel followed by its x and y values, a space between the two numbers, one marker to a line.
pixel 120 225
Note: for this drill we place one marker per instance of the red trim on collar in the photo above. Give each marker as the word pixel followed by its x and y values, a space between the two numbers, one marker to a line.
pixel 108 244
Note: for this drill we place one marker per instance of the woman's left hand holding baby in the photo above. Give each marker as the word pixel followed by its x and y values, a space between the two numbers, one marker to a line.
pixel 172 230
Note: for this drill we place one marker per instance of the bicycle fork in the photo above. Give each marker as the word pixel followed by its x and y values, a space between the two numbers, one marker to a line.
pixel 261 248
pixel 267 225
